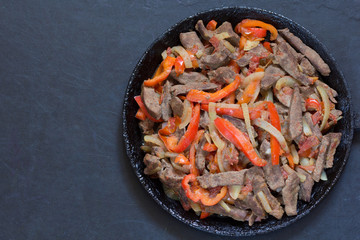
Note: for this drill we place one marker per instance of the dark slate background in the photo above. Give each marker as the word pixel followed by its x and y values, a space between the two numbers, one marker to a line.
pixel 64 67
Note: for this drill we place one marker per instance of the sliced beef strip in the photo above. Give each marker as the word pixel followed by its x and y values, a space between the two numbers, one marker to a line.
pixel 222 179
pixel 191 39
pixel 258 51
pixel 330 92
pixel 290 193
pixel 306 91
pixel 273 175
pixel 295 115
pixel 307 68
pixel 235 213
pixel 320 161
pixel 298 56
pixel 152 164
pixel 281 109
pixel 189 77
pixel 200 155
pixel 230 157
pixel 250 202
pixel 204 120
pixel 258 184
pixel 334 142
pixel 289 63
pixel 272 74
pixel 312 55
pixel 151 101
pixel 314 128
pixel 165 104
pixel 146 126
pixel 218 58
pixel 184 89
pixel 234 39
pixel 177 106
pixel 284 95
pixel 205 34
pixel 306 186
pixel 254 171
pixel 222 75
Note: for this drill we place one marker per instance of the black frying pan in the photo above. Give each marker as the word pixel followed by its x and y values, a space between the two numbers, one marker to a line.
pixel 133 137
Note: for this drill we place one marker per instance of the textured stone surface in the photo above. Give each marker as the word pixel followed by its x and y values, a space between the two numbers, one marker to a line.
pixel 63 73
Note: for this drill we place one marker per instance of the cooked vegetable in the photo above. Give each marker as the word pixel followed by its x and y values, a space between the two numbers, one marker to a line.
pixel 186 117
pixel 250 23
pixel 248 124
pixel 167 65
pixel 184 55
pixel 251 88
pixel 326 101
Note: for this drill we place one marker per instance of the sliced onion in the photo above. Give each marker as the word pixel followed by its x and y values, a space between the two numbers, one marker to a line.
pixel 304 161
pixel 154 139
pixel 250 45
pixel 252 77
pixel 227 105
pixel 212 111
pixel 224 206
pixel 264 202
pixel 207 137
pixel 219 143
pixel 234 191
pixel 285 81
pixel 170 193
pixel 179 167
pixel 184 54
pixel 326 101
pixel 306 128
pixel 294 154
pixel 229 46
pixel 256 94
pixel 269 96
pixel 222 35
pixel 145 148
pixel 245 109
pixel 315 96
pixel 186 116
pixel 273 131
pixel 323 176
pixel 287 169
pixel 164 54
pixel 312 161
pixel 199 53
pixel 195 206
pixel 219 157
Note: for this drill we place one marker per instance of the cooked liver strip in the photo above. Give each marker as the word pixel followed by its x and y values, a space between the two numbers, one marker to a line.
pixel 205 34
pixel 222 75
pixel 151 101
pixel 184 89
pixel 320 161
pixel 295 115
pixel 222 179
pixel 189 77
pixel 165 104
pixel 306 186
pixel 272 74
pixel 226 27
pixel 290 193
pixel 312 55
pixel 334 142
pixel 191 39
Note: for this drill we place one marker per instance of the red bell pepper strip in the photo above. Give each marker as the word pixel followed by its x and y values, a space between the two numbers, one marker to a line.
pixel 274 144
pixel 209 147
pixel 236 112
pixel 313 104
pixel 143 108
pixel 169 128
pixel 181 159
pixel 204 215
pixel 189 135
pixel 248 23
pixel 255 32
pixel 167 65
pixel 211 25
pixel 205 97
pixel 179 66
pixel 239 139
pixel 242 42
pixel 234 66
pixel 196 193
pixel 140 115
pixel 267 46
pixel 249 91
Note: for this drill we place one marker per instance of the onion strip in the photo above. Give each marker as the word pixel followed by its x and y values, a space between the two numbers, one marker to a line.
pixel 294 154
pixel 234 191
pixel 273 131
pixel 186 116
pixel 248 124
pixel 326 101
pixel 264 202
pixel 184 54
pixel 224 206
pixel 154 139
pixel 285 81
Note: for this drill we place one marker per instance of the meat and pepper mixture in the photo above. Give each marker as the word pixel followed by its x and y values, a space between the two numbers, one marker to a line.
pixel 237 121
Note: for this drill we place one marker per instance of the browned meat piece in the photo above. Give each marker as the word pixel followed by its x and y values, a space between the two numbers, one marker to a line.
pixel 226 27
pixel 259 184
pixel 314 128
pixel 189 77
pixel 222 75
pixel 306 91
pixel 281 109
pixel 157 151
pixel 284 95
pixel 200 155
pixel 184 89
pixel 146 126
pixel 218 58
pixel 330 92
pixel 204 120
pixel 280 39
pixel 254 171
pixel 289 63
pixel 152 164
pixel 191 39
pixel 307 68
pixel 306 186
pixel 177 106
pixel 290 193
pixel 250 202
pixel 273 175
pixel 272 74
pixel 205 34
pixel 320 161
pixel 312 55
pixel 230 156
pixel 222 179
pixel 295 115
pixel 258 51
pixel 235 213
pixel 151 101
pixel 334 142
pixel 165 104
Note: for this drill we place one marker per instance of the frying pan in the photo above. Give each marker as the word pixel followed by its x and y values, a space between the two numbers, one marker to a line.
pixel 133 137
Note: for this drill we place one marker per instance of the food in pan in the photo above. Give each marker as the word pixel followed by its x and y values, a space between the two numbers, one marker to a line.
pixel 238 122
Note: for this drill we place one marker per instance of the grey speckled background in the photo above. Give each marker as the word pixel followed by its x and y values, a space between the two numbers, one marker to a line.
pixel 64 69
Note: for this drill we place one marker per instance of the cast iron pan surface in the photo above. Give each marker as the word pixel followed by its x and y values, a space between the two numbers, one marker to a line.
pixel 133 137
